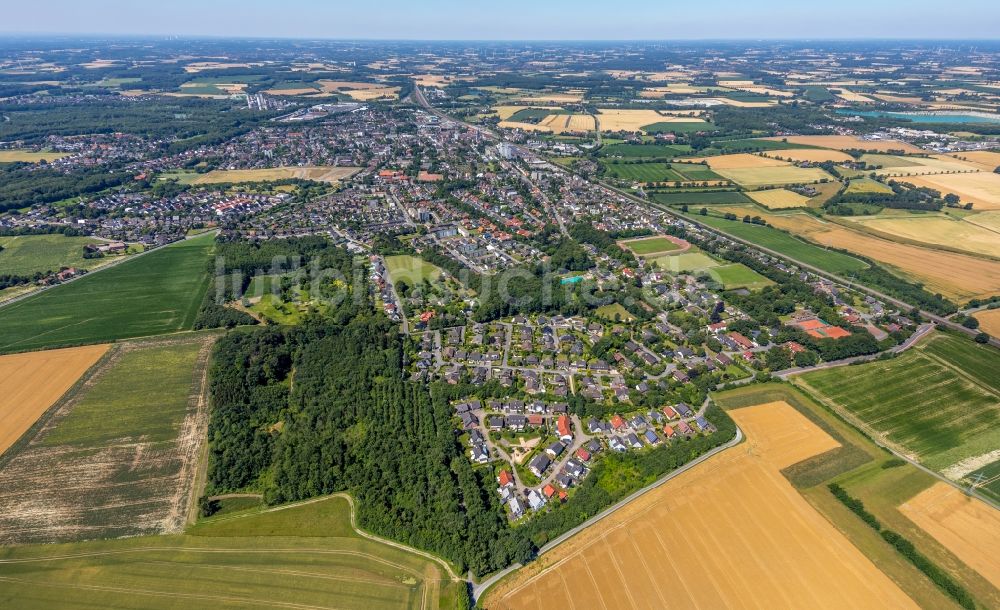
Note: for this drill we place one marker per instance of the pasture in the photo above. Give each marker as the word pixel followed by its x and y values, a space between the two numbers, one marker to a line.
pixel 653 151
pixel 779 241
pixel 130 435
pixel 152 294
pixel 777 199
pixel 779 550
pixel 678 126
pixel 939 402
pixel 736 275
pixel 328 174
pixel 653 246
pixel 935 230
pixel 296 556
pixel 982 189
pixel 31 254
pixel 30 383
pixel 867 185
pixel 967 527
pixel 28 156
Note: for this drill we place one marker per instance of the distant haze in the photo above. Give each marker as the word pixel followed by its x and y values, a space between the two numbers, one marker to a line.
pixel 511 20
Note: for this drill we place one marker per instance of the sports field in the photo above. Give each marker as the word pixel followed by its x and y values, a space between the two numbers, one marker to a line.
pixel 31 254
pixel 152 294
pixel 777 199
pixel 982 189
pixel 27 156
pixel 736 275
pixel 30 383
pixel 329 174
pixel 118 456
pixel 939 402
pixel 967 527
pixel 730 532
pixel 296 557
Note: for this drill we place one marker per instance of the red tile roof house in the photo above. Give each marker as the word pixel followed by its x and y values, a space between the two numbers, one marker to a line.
pixel 563 427
pixel 742 341
pixel 669 412
pixel 583 454
pixel 669 431
pixel 505 479
pixel 617 422
pixel 549 491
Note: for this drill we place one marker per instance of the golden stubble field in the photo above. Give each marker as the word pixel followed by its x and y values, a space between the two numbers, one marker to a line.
pixel 812 155
pixel 989 321
pixel 935 230
pixel 329 174
pixel 30 383
pixel 982 189
pixel 612 119
pixel 850 143
pixel 967 527
pixel 730 533
pixel 955 275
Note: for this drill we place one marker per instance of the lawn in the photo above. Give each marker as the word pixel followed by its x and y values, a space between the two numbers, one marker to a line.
pixel 939 402
pixel 737 275
pixel 30 254
pixel 156 293
pixel 689 262
pixel 779 241
pixel 302 556
pixel 615 312
pixel 411 269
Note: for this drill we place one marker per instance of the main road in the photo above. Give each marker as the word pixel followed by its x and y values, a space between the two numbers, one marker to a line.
pixel 902 305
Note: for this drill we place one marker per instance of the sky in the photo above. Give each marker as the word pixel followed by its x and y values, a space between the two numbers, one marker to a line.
pixel 510 19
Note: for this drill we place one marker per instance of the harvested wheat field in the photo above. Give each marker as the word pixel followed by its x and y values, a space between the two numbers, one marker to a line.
pixel 118 455
pixel 320 174
pixel 634 120
pixel 779 198
pixel 989 321
pixel 956 276
pixel 917 166
pixel 30 383
pixel 850 143
pixel 967 527
pixel 729 533
pixel 27 156
pixel 524 126
pixel 366 95
pixel 505 112
pixel 851 96
pixel 740 161
pixel 563 123
pixel 935 230
pixel 984 159
pixel 982 189
pixel 752 177
pixel 812 155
